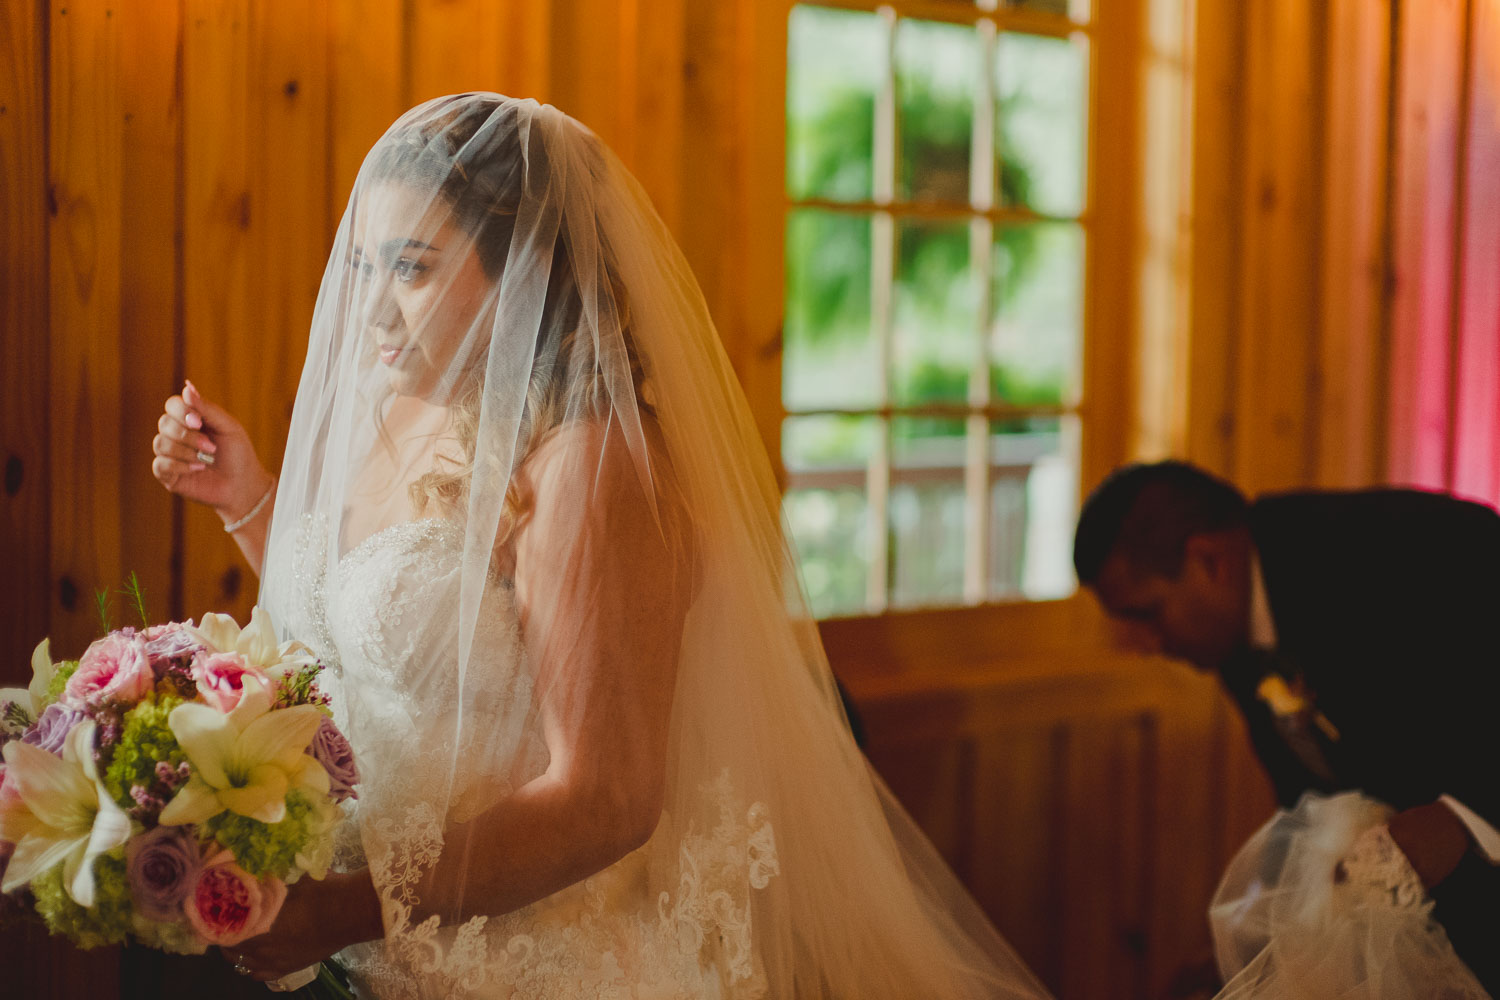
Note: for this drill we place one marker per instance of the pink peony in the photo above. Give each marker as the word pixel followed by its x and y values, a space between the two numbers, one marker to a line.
pixel 221 678
pixel 228 906
pixel 115 668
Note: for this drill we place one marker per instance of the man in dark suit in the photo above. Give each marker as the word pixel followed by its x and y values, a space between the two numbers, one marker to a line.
pixel 1359 634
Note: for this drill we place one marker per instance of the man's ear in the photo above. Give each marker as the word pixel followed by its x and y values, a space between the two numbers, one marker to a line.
pixel 1210 552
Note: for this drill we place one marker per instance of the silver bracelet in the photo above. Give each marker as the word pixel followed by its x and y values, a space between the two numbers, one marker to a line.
pixel 259 504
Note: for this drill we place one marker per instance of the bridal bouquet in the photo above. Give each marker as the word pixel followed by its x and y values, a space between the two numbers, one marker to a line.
pixel 169 785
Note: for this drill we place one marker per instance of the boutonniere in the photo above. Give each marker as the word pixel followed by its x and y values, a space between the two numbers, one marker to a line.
pixel 1290 704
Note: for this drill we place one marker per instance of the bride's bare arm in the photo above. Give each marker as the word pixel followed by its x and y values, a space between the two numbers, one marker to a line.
pixel 602 584
pixel 202 453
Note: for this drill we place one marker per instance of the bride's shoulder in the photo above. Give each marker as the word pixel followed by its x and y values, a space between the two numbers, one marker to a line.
pixel 597 456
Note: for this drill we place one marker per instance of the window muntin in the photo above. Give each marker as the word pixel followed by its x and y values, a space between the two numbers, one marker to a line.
pixel 935 238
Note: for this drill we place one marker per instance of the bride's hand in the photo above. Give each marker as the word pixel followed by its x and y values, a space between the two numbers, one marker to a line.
pixel 316 920
pixel 203 453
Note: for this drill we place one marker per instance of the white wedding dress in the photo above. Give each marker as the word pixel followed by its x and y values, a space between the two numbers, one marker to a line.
pixel 388 603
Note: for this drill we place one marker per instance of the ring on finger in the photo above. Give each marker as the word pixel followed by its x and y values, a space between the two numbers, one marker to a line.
pixel 205 457
pixel 241 967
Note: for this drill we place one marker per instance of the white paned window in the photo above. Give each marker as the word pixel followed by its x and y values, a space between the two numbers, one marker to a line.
pixel 934 331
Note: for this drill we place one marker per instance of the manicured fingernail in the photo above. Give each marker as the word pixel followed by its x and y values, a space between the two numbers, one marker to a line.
pixel 197 467
pixel 193 420
pixel 207 445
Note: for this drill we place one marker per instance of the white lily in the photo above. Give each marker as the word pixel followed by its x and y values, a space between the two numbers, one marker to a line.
pixel 63 814
pixel 29 699
pixel 245 760
pixel 256 642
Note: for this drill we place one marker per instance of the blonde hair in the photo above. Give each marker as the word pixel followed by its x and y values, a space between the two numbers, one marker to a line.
pixel 566 384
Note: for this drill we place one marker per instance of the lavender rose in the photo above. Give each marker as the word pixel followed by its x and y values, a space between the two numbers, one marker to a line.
pixel 170 645
pixel 331 749
pixel 51 730
pixel 162 865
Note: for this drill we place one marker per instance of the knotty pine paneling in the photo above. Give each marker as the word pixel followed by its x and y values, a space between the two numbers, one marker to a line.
pixel 27 588
pixel 1428 124
pixel 1280 195
pixel 367 89
pixel 150 178
pixel 453 46
pixel 1077 804
pixel 1445 313
pixel 223 159
pixel 1352 349
pixel 1218 156
pixel 88 352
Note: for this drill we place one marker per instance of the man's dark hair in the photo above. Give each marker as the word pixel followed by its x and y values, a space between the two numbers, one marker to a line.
pixel 1147 513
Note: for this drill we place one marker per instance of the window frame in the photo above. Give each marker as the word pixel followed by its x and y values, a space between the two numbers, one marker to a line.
pixel 1113 202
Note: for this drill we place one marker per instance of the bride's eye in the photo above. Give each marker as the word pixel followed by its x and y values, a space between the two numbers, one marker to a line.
pixel 406 269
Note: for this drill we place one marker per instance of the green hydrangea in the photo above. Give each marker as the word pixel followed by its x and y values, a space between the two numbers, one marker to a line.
pixel 267 848
pixel 145 739
pixel 107 922
pixel 178 938
pixel 59 681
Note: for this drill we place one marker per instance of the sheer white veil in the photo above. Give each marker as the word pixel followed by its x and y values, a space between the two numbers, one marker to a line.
pixel 509 349
pixel 1286 927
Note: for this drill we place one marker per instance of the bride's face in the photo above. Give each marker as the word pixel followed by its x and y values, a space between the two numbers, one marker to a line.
pixel 424 292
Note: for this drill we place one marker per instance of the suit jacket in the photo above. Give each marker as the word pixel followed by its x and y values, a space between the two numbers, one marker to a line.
pixel 1388 604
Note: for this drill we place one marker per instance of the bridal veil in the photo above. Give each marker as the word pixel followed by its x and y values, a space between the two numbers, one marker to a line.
pixel 509 350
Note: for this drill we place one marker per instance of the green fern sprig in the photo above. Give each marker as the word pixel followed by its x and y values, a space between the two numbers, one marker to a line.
pixel 101 601
pixel 137 596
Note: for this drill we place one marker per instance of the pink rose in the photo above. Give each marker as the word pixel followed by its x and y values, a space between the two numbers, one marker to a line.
pixel 228 906
pixel 115 668
pixel 221 678
pixel 10 795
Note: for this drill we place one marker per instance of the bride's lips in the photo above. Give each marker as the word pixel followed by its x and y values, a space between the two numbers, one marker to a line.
pixel 389 353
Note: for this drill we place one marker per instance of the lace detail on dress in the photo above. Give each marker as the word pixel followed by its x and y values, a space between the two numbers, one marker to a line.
pixel 379 619
pixel 1376 873
pixel 711 912
pixel 599 939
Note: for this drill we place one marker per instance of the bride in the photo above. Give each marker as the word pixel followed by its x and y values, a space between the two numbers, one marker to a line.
pixel 525 520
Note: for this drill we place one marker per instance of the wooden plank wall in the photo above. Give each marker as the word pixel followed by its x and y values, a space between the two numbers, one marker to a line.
pixel 1346 318
pixel 173 176
pixel 1090 801
pixel 1289 345
pixel 1445 382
